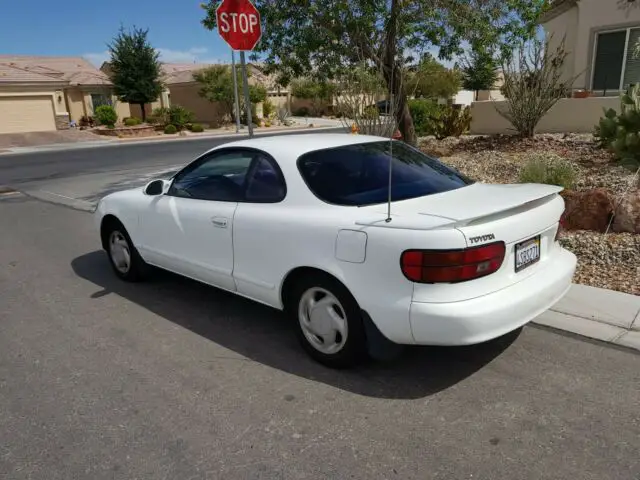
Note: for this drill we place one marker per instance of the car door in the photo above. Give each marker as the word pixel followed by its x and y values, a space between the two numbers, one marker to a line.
pixel 189 230
pixel 258 236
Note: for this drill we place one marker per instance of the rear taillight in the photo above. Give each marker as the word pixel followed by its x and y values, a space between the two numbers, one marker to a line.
pixel 450 266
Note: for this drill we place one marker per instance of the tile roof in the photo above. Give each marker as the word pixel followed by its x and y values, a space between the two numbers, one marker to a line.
pixel 75 70
pixel 13 74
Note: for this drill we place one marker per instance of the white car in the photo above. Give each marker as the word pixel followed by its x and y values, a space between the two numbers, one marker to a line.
pixel 300 223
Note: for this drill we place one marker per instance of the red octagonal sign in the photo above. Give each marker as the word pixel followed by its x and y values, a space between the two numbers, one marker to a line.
pixel 239 24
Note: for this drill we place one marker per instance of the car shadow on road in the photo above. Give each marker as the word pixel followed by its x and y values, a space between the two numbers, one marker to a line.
pixel 264 335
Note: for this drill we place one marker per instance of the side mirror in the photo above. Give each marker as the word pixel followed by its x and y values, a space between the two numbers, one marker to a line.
pixel 156 187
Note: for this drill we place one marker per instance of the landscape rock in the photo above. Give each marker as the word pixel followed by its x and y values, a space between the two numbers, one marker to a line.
pixel 627 214
pixel 587 210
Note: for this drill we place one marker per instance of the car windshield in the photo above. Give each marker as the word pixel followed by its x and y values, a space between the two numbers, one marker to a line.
pixel 358 175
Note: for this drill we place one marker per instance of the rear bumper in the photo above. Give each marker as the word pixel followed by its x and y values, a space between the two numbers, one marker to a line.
pixel 491 316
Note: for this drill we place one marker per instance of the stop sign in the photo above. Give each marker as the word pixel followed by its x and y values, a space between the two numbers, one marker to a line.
pixel 239 24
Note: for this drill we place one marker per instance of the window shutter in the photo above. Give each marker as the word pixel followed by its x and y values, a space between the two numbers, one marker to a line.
pixel 607 67
pixel 632 70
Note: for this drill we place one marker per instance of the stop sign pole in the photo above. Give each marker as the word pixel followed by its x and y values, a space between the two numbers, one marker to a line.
pixel 239 25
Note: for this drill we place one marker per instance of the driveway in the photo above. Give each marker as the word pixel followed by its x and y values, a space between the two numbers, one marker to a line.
pixel 174 380
pixel 35 139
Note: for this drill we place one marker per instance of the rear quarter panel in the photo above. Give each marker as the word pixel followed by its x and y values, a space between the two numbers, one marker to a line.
pixel 272 240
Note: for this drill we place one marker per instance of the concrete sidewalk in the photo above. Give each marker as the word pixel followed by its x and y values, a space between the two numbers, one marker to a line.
pixel 605 315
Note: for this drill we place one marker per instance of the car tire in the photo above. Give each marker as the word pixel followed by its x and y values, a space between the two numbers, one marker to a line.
pixel 328 321
pixel 123 256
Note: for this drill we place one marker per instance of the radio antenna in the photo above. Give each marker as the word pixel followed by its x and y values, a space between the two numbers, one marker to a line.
pixel 391 103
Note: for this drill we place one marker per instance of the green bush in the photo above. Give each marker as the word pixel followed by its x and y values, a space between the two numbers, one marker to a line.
pixel 451 121
pixel 180 117
pixel 424 112
pixel 550 169
pixel 371 113
pixel 268 108
pixel 197 128
pixel 132 121
pixel 170 129
pixel 620 133
pixel 106 115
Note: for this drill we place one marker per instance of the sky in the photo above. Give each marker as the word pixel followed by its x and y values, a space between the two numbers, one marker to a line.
pixel 83 28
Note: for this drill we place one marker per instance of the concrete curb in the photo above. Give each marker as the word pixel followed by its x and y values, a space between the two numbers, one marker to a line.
pixel 596 313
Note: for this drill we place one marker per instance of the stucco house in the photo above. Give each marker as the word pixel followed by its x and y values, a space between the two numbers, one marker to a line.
pixel 46 93
pixel 181 89
pixel 600 36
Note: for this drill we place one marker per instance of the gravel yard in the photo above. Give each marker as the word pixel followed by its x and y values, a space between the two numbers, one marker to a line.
pixel 609 260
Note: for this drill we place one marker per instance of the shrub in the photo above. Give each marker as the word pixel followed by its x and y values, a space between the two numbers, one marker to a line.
pixel 620 133
pixel 550 169
pixel 197 128
pixel 106 115
pixel 301 112
pixel 283 115
pixel 424 112
pixel 87 121
pixel 268 108
pixel 180 117
pixel 371 113
pixel 451 121
pixel 170 129
pixel 132 121
pixel 159 116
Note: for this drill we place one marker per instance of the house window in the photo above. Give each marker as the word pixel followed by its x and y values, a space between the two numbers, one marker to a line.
pixel 98 99
pixel 614 65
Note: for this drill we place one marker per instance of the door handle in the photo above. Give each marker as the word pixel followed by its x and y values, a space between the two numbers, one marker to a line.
pixel 219 222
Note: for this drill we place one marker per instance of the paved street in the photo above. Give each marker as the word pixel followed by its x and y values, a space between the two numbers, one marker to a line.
pixel 47 165
pixel 175 380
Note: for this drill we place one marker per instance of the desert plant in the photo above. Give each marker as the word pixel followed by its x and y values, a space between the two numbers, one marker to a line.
pixel 451 121
pixel 170 129
pixel 620 133
pixel 180 117
pixel 550 169
pixel 132 121
pixel 197 128
pixel 424 113
pixel 360 88
pixel 533 83
pixel 283 116
pixel 268 108
pixel 159 116
pixel 106 115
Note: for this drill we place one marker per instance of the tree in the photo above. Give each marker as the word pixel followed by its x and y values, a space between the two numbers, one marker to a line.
pixel 216 85
pixel 318 92
pixel 323 37
pixel 480 71
pixel 533 83
pixel 135 68
pixel 430 79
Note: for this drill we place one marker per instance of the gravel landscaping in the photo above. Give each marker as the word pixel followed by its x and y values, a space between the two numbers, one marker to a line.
pixel 610 260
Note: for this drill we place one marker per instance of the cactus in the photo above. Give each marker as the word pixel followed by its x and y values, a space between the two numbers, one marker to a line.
pixel 620 132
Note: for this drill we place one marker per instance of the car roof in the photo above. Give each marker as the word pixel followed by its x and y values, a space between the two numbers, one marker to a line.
pixel 293 146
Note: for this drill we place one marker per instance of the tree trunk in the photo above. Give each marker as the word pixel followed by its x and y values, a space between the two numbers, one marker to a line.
pixel 394 78
pixel 143 112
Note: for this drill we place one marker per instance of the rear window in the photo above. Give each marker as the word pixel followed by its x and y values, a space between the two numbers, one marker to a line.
pixel 359 174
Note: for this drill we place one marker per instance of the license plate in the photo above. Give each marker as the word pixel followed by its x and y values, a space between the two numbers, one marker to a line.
pixel 527 253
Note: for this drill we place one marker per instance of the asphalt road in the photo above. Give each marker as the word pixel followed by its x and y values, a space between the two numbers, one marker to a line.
pixel 174 380
pixel 17 169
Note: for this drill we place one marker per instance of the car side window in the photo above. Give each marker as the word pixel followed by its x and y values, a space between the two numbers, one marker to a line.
pixel 265 183
pixel 220 176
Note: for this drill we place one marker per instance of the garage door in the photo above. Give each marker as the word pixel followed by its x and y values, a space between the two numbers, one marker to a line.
pixel 26 114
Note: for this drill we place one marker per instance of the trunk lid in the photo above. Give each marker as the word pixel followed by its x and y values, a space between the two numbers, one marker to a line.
pixel 483 214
